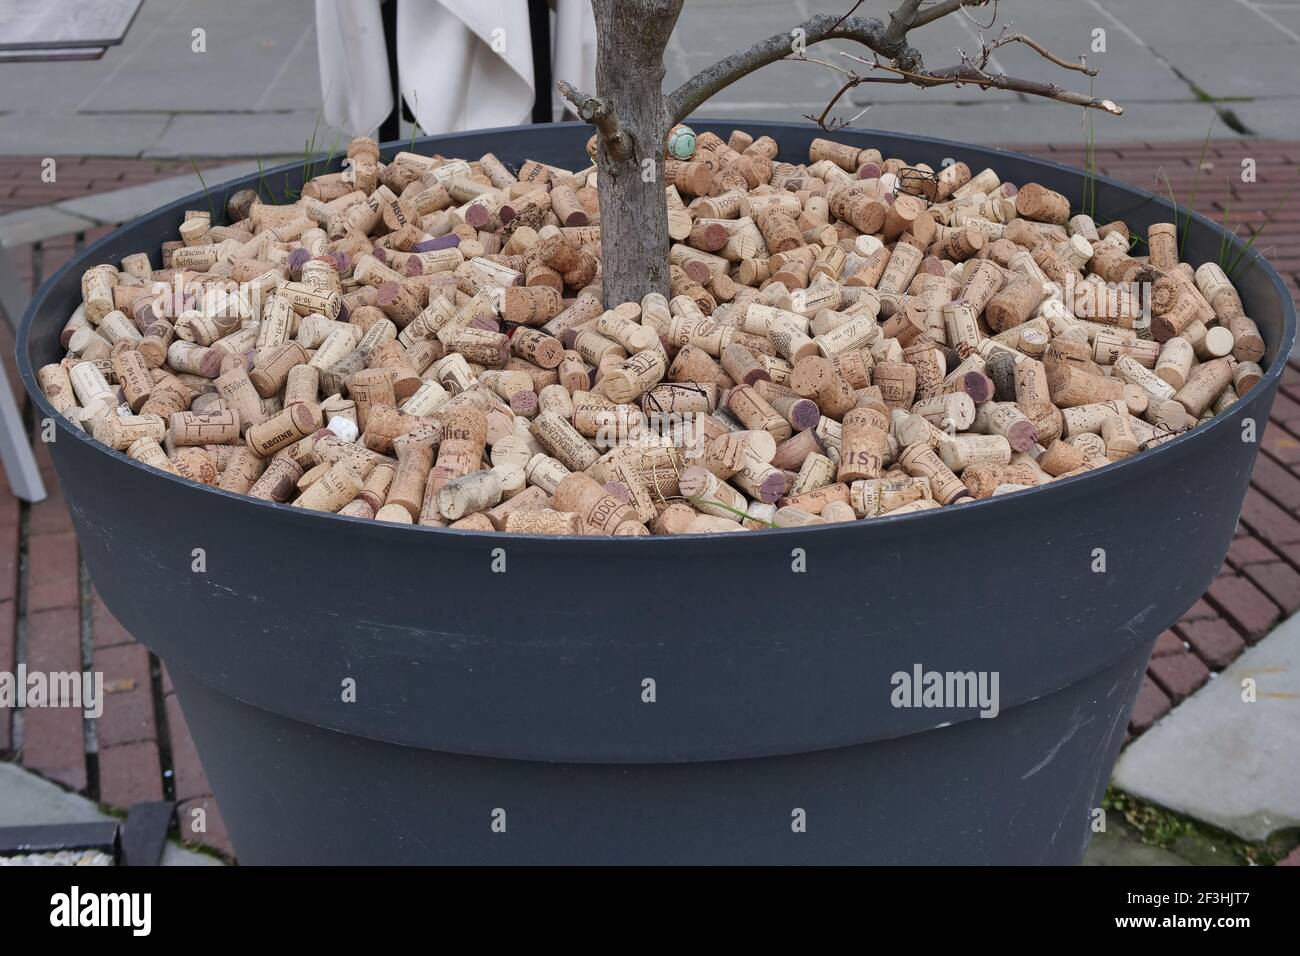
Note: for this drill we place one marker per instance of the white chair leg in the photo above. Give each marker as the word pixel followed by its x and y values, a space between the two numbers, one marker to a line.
pixel 15 452
pixel 13 295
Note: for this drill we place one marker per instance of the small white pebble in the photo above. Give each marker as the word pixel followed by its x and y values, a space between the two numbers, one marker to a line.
pixel 345 428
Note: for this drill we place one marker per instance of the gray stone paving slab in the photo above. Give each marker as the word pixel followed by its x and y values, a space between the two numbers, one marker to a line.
pixel 246 52
pixel 122 205
pixel 39 222
pixel 244 134
pixel 1115 849
pixel 1224 761
pixel 27 800
pixel 1276 119
pixel 77 134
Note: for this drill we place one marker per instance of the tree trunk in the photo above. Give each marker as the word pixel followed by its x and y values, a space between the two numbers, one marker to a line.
pixel 632 36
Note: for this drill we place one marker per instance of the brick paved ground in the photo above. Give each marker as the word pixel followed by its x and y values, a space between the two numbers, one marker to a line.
pixel 140 749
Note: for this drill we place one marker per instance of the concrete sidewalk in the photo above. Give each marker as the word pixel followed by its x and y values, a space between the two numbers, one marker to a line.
pixel 27 800
pixel 1177 66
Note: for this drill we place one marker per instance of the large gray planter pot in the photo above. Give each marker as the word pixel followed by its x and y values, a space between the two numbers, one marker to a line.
pixel 483 696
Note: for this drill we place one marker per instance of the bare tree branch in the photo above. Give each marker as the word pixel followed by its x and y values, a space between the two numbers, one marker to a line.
pixel 601 115
pixel 967 73
pixel 1081 66
pixel 699 88
pixel 888 42
pixel 941 10
pixel 901 20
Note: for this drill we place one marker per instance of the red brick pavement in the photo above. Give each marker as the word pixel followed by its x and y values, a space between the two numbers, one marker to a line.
pixel 140 749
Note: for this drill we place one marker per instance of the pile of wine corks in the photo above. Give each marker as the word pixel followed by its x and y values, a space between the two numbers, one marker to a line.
pixel 426 342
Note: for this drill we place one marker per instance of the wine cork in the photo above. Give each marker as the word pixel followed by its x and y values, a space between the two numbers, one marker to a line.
pixel 819 499
pixel 817 471
pixel 242 471
pixel 743 366
pixel 801 413
pixel 1162 245
pixel 371 388
pixel 752 411
pixel 986 479
pixel 711 495
pixel 632 377
pixel 1007 420
pixel 394 514
pixel 1209 343
pixel 209 428
pixel 542 350
pixel 759 479
pixel 897 383
pixel 1042 204
pixel 789 517
pixel 1089 418
pixel 194 359
pixel 959 452
pixel 1129 370
pixel 563 441
pixel 1071 386
pixel 921 461
pixel 1247 343
pixel 1204 385
pixel 464 437
pixel 863 445
pixel 1117 433
pixel 543 521
pixel 272 370
pixel 332 491
pixel 876 496
pixel 1245 376
pixel 283 429
pixel 57 387
pixel 133 375
pixel 1013 305
pixel 545 472
pixel 279 482
pixel 1175 361
pixel 196 465
pixel 1059 458
pixel 816 378
pixel 601 512
pixel 147 451
pixel 407 481
pixel 120 431
pixel 470 493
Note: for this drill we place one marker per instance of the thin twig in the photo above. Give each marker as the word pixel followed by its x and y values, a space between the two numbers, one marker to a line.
pixel 601 115
pixel 966 74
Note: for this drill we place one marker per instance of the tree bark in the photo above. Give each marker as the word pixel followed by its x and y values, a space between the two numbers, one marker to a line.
pixel 632 36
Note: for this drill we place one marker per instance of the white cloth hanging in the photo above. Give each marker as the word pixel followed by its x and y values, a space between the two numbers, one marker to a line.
pixel 355 89
pixel 573 50
pixel 462 64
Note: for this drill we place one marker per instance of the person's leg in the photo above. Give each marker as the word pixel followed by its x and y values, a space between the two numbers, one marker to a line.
pixel 391 128
pixel 539 25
